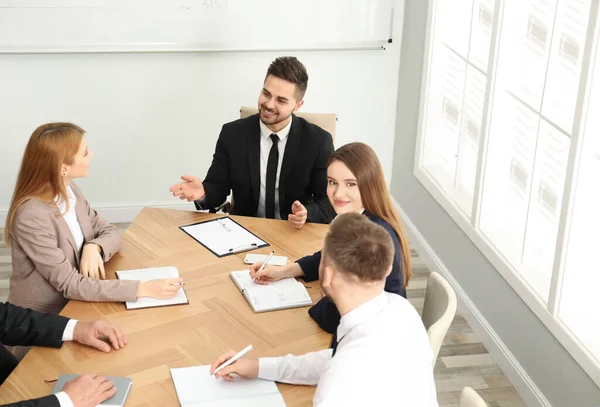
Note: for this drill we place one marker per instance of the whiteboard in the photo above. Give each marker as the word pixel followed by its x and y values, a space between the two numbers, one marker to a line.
pixel 46 26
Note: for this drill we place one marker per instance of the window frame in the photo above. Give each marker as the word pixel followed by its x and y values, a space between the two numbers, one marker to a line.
pixel 547 313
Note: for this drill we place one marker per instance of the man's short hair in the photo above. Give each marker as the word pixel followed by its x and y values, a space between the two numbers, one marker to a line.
pixel 359 247
pixel 291 70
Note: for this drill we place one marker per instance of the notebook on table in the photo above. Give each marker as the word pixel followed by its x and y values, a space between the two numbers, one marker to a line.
pixel 277 295
pixel 195 387
pixel 123 385
pixel 223 236
pixel 148 274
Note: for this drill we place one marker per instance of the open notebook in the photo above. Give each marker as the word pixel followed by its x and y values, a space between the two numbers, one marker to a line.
pixel 282 294
pixel 123 385
pixel 196 388
pixel 155 273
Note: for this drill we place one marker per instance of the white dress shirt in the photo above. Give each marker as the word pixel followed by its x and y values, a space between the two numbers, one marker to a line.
pixel 383 358
pixel 265 148
pixel 63 398
pixel 71 217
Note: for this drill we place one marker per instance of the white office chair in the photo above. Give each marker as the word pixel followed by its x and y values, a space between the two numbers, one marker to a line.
pixel 438 311
pixel 470 398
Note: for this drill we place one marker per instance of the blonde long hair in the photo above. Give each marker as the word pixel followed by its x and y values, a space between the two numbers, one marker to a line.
pixel 362 161
pixel 50 146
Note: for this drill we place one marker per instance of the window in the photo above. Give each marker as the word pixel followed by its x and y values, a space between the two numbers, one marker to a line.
pixel 529 199
pixel 486 16
pixel 536 31
pixel 547 197
pixel 518 174
pixel 451 111
pixel 569 48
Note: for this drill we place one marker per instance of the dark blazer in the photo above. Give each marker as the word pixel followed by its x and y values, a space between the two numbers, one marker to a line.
pixel 25 327
pixel 236 167
pixel 325 313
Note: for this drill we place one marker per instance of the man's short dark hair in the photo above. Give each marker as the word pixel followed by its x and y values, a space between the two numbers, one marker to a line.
pixel 359 247
pixel 291 70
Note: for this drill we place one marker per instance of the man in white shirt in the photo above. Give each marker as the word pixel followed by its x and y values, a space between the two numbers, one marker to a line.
pixel 382 356
pixel 25 327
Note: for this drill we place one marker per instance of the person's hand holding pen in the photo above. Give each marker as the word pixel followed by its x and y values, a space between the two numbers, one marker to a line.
pixel 261 273
pixel 162 289
pixel 231 362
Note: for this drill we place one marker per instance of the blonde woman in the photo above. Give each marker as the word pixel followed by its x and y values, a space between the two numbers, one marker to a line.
pixel 59 243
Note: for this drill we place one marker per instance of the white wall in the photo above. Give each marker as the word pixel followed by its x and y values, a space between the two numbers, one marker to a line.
pixel 153 117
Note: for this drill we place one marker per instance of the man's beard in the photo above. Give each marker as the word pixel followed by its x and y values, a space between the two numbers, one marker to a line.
pixel 275 119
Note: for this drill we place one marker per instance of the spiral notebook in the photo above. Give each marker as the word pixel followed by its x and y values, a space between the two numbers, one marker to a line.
pixel 195 387
pixel 282 294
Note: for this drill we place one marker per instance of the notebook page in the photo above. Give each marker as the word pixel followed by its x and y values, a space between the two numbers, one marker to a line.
pixel 279 298
pixel 195 387
pixel 153 274
pixel 223 234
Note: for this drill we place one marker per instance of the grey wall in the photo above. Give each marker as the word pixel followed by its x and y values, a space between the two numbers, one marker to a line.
pixel 554 371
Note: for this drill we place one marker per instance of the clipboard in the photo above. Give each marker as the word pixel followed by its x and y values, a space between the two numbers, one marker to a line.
pixel 223 236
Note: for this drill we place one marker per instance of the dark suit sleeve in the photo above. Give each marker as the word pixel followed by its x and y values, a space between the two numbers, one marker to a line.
pixel 217 182
pixel 326 315
pixel 320 210
pixel 310 266
pixel 48 401
pixel 25 327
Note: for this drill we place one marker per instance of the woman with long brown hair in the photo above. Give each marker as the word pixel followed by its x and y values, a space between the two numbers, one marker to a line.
pixel 59 243
pixel 355 183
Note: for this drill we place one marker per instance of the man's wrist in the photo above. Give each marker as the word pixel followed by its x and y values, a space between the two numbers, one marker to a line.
pixel 69 331
pixel 64 400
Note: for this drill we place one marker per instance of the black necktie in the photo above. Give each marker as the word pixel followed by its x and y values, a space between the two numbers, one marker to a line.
pixel 272 164
pixel 334 344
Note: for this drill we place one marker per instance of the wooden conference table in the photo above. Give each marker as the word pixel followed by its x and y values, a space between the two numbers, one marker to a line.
pixel 217 319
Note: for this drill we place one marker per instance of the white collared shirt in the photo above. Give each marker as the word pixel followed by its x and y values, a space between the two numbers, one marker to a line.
pixel 383 358
pixel 71 217
pixel 265 148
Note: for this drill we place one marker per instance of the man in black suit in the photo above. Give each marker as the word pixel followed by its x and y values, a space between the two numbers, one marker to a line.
pixel 274 162
pixel 25 327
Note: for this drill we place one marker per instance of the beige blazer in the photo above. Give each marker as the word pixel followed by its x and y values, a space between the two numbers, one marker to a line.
pixel 46 263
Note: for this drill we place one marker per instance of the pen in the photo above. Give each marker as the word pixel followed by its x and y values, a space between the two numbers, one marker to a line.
pixel 243 248
pixel 234 358
pixel 182 283
pixel 264 263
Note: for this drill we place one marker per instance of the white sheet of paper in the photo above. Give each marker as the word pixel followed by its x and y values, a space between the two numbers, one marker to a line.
pixel 195 387
pixel 223 234
pixel 148 274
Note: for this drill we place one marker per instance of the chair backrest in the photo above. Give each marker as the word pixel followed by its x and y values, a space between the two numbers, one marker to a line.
pixel 470 398
pixel 439 309
pixel 326 121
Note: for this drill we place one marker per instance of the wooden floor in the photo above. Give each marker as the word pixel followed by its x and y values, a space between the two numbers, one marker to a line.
pixel 463 360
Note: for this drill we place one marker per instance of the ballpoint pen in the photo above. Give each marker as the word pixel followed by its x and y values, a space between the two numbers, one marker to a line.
pixel 264 263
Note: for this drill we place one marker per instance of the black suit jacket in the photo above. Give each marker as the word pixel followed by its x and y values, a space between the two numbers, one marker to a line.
pixel 325 313
pixel 25 327
pixel 303 177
